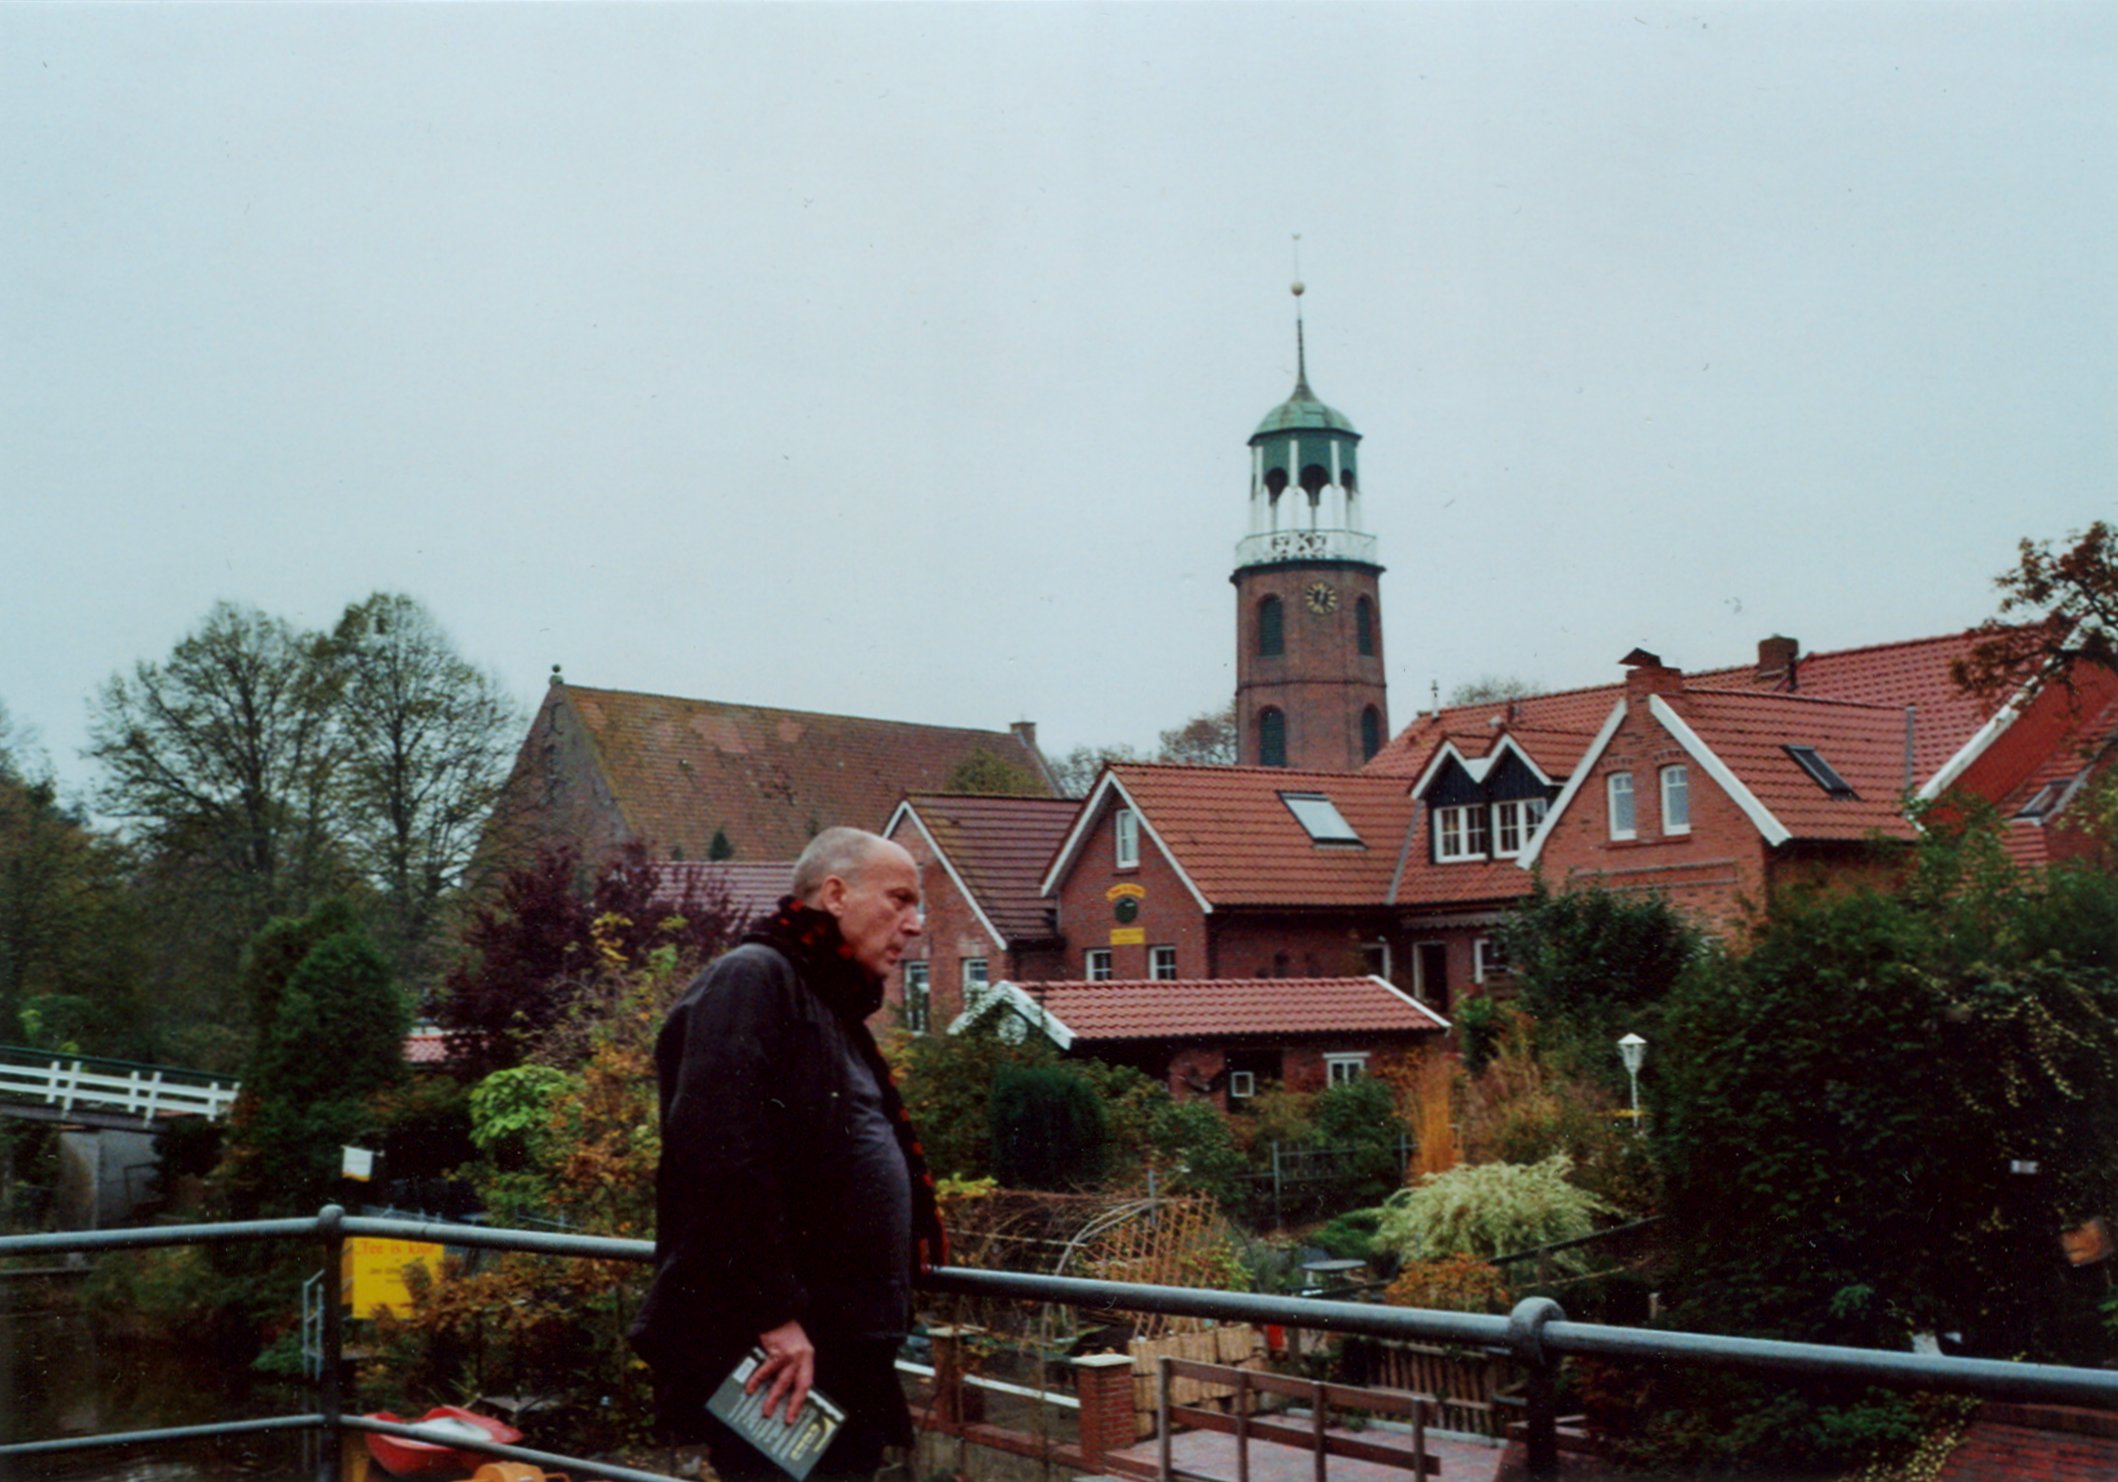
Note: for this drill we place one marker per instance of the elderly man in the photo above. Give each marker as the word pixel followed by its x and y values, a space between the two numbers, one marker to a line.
pixel 792 1201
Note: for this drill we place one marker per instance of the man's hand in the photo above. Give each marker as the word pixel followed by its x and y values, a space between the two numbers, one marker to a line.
pixel 790 1364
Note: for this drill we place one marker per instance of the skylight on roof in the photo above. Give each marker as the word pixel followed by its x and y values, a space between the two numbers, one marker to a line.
pixel 1320 816
pixel 2043 801
pixel 1820 771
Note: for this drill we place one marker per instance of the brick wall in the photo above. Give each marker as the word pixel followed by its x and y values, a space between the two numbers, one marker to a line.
pixel 953 933
pixel 1168 916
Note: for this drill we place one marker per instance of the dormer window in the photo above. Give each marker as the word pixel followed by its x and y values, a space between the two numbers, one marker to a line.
pixel 1320 817
pixel 1460 833
pixel 1126 827
pixel 1513 823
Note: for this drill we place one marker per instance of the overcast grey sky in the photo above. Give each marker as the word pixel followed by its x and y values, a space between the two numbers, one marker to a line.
pixel 899 360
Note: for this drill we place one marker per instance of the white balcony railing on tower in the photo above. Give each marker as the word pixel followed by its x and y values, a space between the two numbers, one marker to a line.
pixel 1305 545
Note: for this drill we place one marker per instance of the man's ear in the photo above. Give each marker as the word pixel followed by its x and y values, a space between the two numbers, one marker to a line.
pixel 832 897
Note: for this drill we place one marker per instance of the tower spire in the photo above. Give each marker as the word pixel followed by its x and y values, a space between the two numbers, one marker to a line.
pixel 1301 349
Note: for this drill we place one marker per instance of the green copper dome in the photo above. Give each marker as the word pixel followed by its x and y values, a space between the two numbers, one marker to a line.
pixel 1302 412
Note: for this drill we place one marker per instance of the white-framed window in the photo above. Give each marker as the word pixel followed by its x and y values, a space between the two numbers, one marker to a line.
pixel 1095 964
pixel 1618 788
pixel 1676 800
pixel 1127 828
pixel 1162 963
pixel 1343 1070
pixel 916 997
pixel 1460 833
pixel 974 976
pixel 1513 823
pixel 1487 959
pixel 1242 1085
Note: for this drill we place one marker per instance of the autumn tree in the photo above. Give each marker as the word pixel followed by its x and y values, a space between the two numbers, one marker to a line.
pixel 2058 609
pixel 537 947
pixel 425 738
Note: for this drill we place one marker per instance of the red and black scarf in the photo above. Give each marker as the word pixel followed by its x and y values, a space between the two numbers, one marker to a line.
pixel 810 940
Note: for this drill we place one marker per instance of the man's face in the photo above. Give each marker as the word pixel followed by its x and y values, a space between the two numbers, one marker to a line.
pixel 878 909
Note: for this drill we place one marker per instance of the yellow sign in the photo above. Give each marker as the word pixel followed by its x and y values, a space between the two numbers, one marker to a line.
pixel 371 1274
pixel 1128 936
pixel 1137 892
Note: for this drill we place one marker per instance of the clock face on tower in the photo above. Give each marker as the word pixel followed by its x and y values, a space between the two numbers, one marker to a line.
pixel 1321 596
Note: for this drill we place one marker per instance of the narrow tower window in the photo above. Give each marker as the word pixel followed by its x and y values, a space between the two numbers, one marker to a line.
pixel 1364 630
pixel 1371 732
pixel 1272 637
pixel 1314 478
pixel 1272 738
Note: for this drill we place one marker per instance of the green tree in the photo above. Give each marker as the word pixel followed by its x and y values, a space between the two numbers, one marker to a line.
pixel 221 763
pixel 425 739
pixel 336 1041
pixel 1593 965
pixel 982 772
pixel 71 947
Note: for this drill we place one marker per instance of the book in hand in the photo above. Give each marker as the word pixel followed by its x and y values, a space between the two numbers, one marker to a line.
pixel 795 1449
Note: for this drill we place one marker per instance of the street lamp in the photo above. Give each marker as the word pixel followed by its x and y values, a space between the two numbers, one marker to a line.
pixel 1633 1050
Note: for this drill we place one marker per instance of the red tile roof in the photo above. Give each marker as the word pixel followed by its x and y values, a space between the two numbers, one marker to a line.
pixel 681 770
pixel 1240 844
pixel 1000 848
pixel 1194 1008
pixel 1864 744
pixel 426 1045
pixel 1555 728
pixel 752 889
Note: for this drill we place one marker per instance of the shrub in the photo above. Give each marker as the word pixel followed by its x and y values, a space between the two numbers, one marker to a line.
pixel 1451 1283
pixel 1046 1127
pixel 1489 1209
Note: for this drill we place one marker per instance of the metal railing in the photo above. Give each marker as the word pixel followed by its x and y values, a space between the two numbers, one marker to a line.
pixel 1536 1335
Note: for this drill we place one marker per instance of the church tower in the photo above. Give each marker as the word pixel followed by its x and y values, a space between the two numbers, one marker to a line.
pixel 1309 620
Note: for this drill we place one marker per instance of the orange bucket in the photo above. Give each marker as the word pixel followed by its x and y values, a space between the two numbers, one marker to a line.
pixel 515 1471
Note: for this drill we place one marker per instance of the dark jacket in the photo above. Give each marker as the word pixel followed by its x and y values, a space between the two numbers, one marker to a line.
pixel 753 1070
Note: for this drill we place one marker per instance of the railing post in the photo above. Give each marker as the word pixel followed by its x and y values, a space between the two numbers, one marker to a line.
pixel 1526 1344
pixel 330 1223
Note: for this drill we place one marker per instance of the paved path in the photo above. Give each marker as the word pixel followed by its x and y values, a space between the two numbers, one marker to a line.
pixel 1209 1453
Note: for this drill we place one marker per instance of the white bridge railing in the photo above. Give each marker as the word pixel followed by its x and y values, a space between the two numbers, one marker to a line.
pixel 84 1083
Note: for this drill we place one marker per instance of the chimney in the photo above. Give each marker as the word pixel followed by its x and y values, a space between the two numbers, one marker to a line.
pixel 1776 656
pixel 1025 731
pixel 1646 674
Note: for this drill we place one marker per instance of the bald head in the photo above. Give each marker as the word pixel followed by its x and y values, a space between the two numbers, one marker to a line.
pixel 844 852
pixel 870 885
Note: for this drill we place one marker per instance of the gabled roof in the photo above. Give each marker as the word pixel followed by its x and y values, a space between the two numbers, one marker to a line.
pixel 996 850
pixel 1208 1008
pixel 1234 839
pixel 1750 734
pixel 1555 728
pixel 681 770
pixel 753 889
pixel 1477 763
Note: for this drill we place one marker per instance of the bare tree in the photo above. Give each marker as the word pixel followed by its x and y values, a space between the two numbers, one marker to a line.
pixel 1489 687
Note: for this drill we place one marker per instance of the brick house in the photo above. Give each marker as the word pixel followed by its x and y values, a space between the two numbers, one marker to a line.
pixel 1718 786
pixel 703 779
pixel 1219 1038
pixel 981 861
